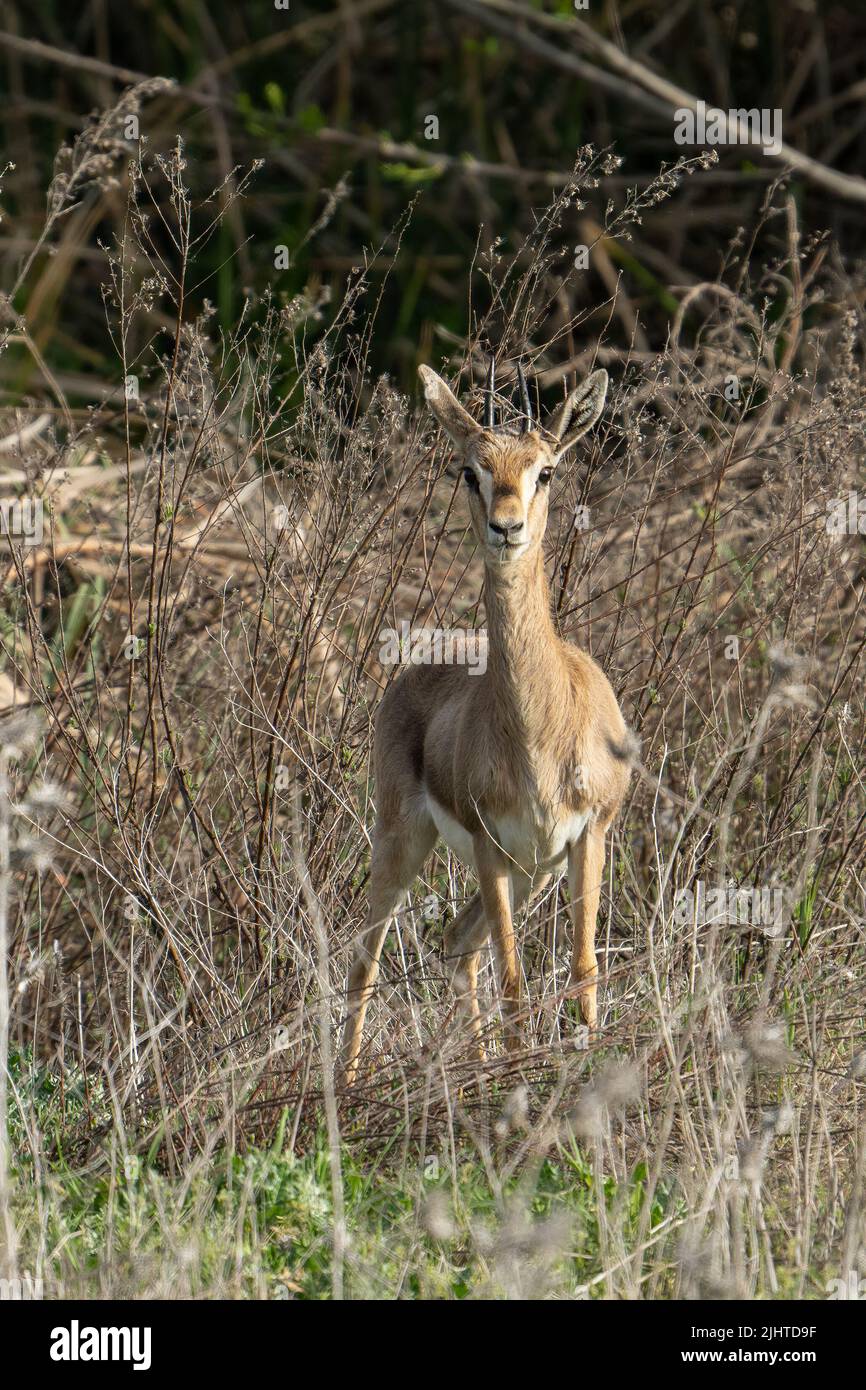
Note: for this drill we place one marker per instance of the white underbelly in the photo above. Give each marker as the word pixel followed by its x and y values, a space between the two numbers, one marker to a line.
pixel 528 846
pixel 458 840
pixel 535 848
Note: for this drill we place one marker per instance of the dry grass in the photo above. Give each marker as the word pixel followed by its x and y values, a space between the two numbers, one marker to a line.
pixel 199 635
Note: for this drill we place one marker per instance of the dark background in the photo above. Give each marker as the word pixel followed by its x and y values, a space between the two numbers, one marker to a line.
pixel 318 91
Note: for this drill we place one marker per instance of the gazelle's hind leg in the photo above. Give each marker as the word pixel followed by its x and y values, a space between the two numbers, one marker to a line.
pixel 585 870
pixel 464 938
pixel 398 857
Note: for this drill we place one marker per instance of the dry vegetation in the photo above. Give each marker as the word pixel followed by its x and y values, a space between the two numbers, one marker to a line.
pixel 190 667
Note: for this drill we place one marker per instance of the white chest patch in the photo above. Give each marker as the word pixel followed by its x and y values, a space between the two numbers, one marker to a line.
pixel 530 846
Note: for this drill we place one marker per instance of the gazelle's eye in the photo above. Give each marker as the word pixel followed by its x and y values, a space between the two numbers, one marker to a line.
pixel 545 476
pixel 470 479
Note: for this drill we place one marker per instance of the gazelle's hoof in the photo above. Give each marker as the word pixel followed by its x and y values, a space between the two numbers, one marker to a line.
pixel 588 1014
pixel 584 993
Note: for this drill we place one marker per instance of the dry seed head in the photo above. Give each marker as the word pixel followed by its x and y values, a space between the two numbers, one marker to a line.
pixel 784 663
pixel 19 733
pixel 48 796
pixel 436 1217
pixel 857 1069
pixel 34 852
pixel 766 1048
pixel 618 1085
pixel 778 1119
pixel 515 1113
pixel 753 1156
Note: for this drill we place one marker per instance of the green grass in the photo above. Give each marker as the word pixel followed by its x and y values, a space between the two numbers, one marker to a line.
pixel 259 1224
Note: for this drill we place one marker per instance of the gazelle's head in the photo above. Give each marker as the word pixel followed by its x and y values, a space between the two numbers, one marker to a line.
pixel 507 470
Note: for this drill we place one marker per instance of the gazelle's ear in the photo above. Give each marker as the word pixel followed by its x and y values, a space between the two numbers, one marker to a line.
pixel 455 421
pixel 579 412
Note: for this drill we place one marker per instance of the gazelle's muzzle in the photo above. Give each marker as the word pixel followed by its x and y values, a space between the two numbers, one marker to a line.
pixel 506 526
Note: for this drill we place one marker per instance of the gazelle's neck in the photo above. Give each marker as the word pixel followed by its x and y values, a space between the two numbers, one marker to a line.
pixel 525 664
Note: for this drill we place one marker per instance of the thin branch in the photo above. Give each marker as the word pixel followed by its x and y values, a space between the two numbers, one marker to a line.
pixel 639 80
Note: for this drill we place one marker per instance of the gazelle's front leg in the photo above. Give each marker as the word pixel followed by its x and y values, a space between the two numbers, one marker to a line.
pixel 585 868
pixel 494 880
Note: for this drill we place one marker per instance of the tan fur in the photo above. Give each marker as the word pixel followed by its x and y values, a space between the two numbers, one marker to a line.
pixel 523 767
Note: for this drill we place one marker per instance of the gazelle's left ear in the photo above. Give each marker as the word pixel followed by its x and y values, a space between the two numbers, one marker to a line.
pixel 579 412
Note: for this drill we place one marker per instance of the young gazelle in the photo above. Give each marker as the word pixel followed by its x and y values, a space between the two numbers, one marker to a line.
pixel 520 770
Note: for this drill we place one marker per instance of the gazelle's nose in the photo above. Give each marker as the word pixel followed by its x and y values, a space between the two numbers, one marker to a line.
pixel 506 528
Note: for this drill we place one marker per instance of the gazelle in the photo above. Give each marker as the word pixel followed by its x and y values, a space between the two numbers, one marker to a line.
pixel 520 770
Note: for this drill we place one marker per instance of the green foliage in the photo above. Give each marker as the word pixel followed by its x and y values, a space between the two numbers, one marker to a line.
pixel 260 1223
pixel 412 174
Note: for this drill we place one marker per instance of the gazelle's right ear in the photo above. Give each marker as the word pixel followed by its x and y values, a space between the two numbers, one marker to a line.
pixel 457 423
